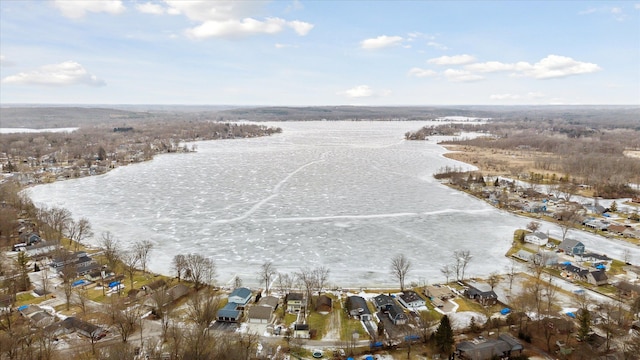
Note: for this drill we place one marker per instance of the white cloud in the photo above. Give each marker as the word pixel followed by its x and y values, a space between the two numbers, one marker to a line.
pixel 507 96
pixel 637 6
pixel 227 18
pixel 63 74
pixel 300 27
pixel 552 66
pixel 358 92
pixel 364 91
pixel 76 9
pixel 150 8
pixel 555 66
pixel 452 60
pixel 380 42
pixel 418 72
pixel 616 12
pixel 490 66
pixel 437 45
pixel 461 75
pixel 234 28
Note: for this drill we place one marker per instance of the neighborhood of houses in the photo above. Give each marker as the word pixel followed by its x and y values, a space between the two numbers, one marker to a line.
pixel 620 220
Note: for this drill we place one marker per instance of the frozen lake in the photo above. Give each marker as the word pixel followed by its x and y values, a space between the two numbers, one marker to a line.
pixel 348 195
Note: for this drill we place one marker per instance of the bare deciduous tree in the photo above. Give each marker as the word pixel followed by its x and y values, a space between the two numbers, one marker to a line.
pixel 130 261
pixel 533 226
pixel 567 218
pixel 78 231
pixel 493 280
pixel 321 275
pixel 285 282
pixel 179 265
pixel 124 319
pixel 199 269
pixel 512 272
pixel 462 257
pixel 110 249
pixel 400 267
pixel 447 271
pixel 202 308
pixel 266 274
pixel 142 250
pixel 305 276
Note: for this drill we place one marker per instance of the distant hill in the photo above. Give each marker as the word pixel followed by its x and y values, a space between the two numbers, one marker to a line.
pixel 54 117
pixel 124 115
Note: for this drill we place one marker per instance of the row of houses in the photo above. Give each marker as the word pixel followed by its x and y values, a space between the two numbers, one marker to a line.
pixel 569 246
pixel 43 319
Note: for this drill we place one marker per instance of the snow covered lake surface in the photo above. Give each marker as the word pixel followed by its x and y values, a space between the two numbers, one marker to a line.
pixel 346 195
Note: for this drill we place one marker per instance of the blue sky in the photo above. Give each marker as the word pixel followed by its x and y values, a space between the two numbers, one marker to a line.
pixel 320 52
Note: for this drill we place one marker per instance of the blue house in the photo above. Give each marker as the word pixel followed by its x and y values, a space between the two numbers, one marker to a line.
pixel 229 313
pixel 572 247
pixel 240 296
pixel 232 312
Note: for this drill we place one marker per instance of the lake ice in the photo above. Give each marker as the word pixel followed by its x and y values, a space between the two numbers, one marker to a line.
pixel 347 195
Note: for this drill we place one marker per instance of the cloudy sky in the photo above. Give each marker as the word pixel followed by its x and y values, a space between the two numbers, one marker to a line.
pixel 319 52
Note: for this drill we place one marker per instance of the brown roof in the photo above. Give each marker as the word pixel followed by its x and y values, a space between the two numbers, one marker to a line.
pixel 323 303
pixel 260 312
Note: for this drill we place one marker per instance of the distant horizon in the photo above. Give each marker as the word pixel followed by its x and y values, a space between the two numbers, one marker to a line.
pixel 306 106
pixel 309 53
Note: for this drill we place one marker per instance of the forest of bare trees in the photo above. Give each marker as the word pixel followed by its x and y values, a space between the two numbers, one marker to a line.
pixel 582 152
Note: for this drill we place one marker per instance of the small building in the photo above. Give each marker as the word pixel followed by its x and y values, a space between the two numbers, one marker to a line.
pixel 503 347
pixel 523 255
pixel 40 249
pixel 270 301
pixel 383 302
pixel 441 292
pixel 487 297
pixel 260 314
pixel 42 319
pixel 324 304
pixel 410 299
pixel 83 328
pixel 154 286
pixel 240 296
pixel 545 258
pixel 397 315
pixel 295 302
pixel 229 313
pixel 628 290
pixel 301 331
pixel 357 308
pixel 572 247
pixel 177 291
pixel 598 278
pixel 537 238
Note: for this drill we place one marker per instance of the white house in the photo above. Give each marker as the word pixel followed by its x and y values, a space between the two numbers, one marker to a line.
pixel 410 299
pixel 537 238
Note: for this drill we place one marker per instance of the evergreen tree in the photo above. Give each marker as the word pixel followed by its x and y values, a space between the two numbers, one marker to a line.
pixel 444 336
pixel 585 324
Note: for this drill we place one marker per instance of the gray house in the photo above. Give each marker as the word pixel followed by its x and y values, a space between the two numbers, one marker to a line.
pixel 572 247
pixel 505 346
pixel 383 302
pixel 357 307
